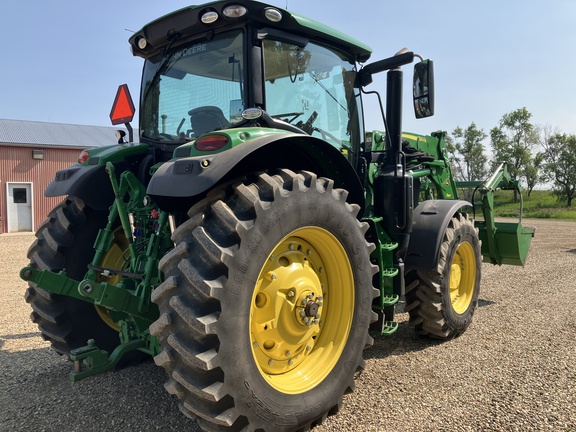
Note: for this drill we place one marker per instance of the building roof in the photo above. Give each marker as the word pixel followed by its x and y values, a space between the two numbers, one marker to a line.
pixel 41 134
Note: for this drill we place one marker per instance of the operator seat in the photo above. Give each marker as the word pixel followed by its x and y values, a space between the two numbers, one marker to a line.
pixel 206 119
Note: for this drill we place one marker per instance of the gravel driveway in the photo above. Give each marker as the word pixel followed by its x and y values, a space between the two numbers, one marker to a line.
pixel 514 369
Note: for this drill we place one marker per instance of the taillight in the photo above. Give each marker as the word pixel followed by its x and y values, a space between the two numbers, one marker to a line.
pixel 211 142
pixel 83 157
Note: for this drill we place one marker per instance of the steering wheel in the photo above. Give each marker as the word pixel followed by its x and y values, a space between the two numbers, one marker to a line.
pixel 307 125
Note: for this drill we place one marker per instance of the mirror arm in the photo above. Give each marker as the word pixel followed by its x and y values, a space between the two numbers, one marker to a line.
pixel 365 75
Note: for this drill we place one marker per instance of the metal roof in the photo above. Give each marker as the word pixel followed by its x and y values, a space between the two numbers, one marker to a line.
pixel 41 134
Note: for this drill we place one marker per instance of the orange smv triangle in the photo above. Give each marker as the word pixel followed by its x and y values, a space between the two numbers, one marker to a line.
pixel 123 107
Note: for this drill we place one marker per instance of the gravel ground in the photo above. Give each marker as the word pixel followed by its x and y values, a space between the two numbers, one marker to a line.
pixel 513 370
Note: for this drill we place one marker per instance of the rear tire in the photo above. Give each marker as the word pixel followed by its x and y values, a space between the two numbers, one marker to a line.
pixel 65 240
pixel 441 302
pixel 247 272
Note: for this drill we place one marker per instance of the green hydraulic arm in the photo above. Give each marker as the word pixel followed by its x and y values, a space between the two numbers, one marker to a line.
pixel 148 234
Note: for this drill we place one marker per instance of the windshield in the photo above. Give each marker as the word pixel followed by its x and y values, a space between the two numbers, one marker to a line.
pixel 312 88
pixel 194 89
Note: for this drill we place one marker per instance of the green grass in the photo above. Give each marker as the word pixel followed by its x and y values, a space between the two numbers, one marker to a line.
pixel 540 204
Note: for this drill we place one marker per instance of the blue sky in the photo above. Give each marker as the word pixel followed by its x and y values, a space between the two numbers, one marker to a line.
pixel 63 60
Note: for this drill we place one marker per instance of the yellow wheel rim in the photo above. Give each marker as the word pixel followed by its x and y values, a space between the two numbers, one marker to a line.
pixel 302 310
pixel 113 259
pixel 462 277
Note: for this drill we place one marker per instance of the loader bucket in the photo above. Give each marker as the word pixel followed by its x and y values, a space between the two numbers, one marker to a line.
pixel 510 244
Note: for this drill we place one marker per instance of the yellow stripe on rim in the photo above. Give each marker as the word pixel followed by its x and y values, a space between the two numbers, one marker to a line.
pixel 302 310
pixel 113 259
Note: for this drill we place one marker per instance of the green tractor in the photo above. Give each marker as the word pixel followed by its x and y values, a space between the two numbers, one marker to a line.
pixel 256 237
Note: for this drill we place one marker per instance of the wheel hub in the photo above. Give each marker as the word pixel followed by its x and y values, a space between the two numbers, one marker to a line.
pixel 462 277
pixel 455 276
pixel 309 309
pixel 286 317
pixel 295 328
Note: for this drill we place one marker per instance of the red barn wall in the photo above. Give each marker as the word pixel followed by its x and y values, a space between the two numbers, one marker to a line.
pixel 17 165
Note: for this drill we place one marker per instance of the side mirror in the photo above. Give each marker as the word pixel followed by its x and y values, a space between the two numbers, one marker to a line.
pixel 423 89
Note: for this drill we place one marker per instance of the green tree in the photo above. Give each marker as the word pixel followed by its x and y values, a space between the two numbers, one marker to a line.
pixel 469 154
pixel 559 164
pixel 532 174
pixel 454 165
pixel 512 141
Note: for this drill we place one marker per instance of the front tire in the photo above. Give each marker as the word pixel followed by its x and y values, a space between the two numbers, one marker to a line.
pixel 441 302
pixel 266 304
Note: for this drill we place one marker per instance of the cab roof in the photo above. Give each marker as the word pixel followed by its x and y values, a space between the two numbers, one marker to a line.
pixel 185 24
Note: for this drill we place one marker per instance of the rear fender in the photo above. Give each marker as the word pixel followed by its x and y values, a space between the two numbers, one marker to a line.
pixel 192 177
pixel 429 222
pixel 90 181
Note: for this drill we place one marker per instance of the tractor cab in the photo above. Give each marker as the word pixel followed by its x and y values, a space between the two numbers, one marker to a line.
pixel 247 65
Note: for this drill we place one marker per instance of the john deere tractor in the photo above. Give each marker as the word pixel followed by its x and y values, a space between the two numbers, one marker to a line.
pixel 255 237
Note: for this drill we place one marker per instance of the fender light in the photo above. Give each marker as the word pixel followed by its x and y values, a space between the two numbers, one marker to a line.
pixel 234 11
pixel 84 155
pixel 211 142
pixel 120 134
